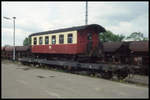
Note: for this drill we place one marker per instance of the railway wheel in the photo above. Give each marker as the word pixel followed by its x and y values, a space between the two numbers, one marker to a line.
pixel 23 63
pixel 122 75
pixel 106 75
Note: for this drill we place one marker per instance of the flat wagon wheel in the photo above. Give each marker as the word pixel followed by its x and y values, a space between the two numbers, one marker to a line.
pixel 106 75
pixel 122 74
pixel 23 63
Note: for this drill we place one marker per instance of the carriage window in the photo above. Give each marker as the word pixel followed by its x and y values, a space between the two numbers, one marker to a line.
pixel 53 39
pixel 61 39
pixel 40 40
pixel 89 36
pixel 35 41
pixel 46 40
pixel 70 38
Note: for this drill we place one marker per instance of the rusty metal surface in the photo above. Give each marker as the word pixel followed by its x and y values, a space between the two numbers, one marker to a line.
pixel 2 48
pixel 111 46
pixel 139 46
pixel 17 48
pixel 9 48
pixel 22 48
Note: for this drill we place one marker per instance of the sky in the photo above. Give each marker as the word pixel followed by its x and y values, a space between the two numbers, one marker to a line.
pixel 31 17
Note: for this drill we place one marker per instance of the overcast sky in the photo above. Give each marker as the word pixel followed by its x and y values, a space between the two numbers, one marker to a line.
pixel 118 17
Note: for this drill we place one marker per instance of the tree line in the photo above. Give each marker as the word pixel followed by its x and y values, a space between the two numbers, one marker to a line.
pixel 109 36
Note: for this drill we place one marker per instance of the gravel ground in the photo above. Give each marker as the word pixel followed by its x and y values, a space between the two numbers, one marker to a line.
pixel 138 79
pixel 20 81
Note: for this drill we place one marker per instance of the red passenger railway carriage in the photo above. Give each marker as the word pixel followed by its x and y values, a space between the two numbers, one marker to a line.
pixel 74 40
pixel 79 49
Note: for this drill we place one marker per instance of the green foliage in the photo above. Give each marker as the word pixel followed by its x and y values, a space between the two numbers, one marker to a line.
pixel 27 41
pixel 7 45
pixel 145 38
pixel 109 36
pixel 136 36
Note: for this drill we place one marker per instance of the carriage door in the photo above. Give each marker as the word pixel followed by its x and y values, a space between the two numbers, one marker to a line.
pixel 89 43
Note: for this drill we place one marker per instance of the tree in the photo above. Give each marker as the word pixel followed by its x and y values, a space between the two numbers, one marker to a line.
pixel 120 37
pixel 145 38
pixel 136 36
pixel 109 36
pixel 7 45
pixel 27 41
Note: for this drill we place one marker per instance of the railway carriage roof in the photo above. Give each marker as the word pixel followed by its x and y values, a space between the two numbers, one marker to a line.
pixel 17 48
pixel 139 46
pixel 111 46
pixel 95 26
